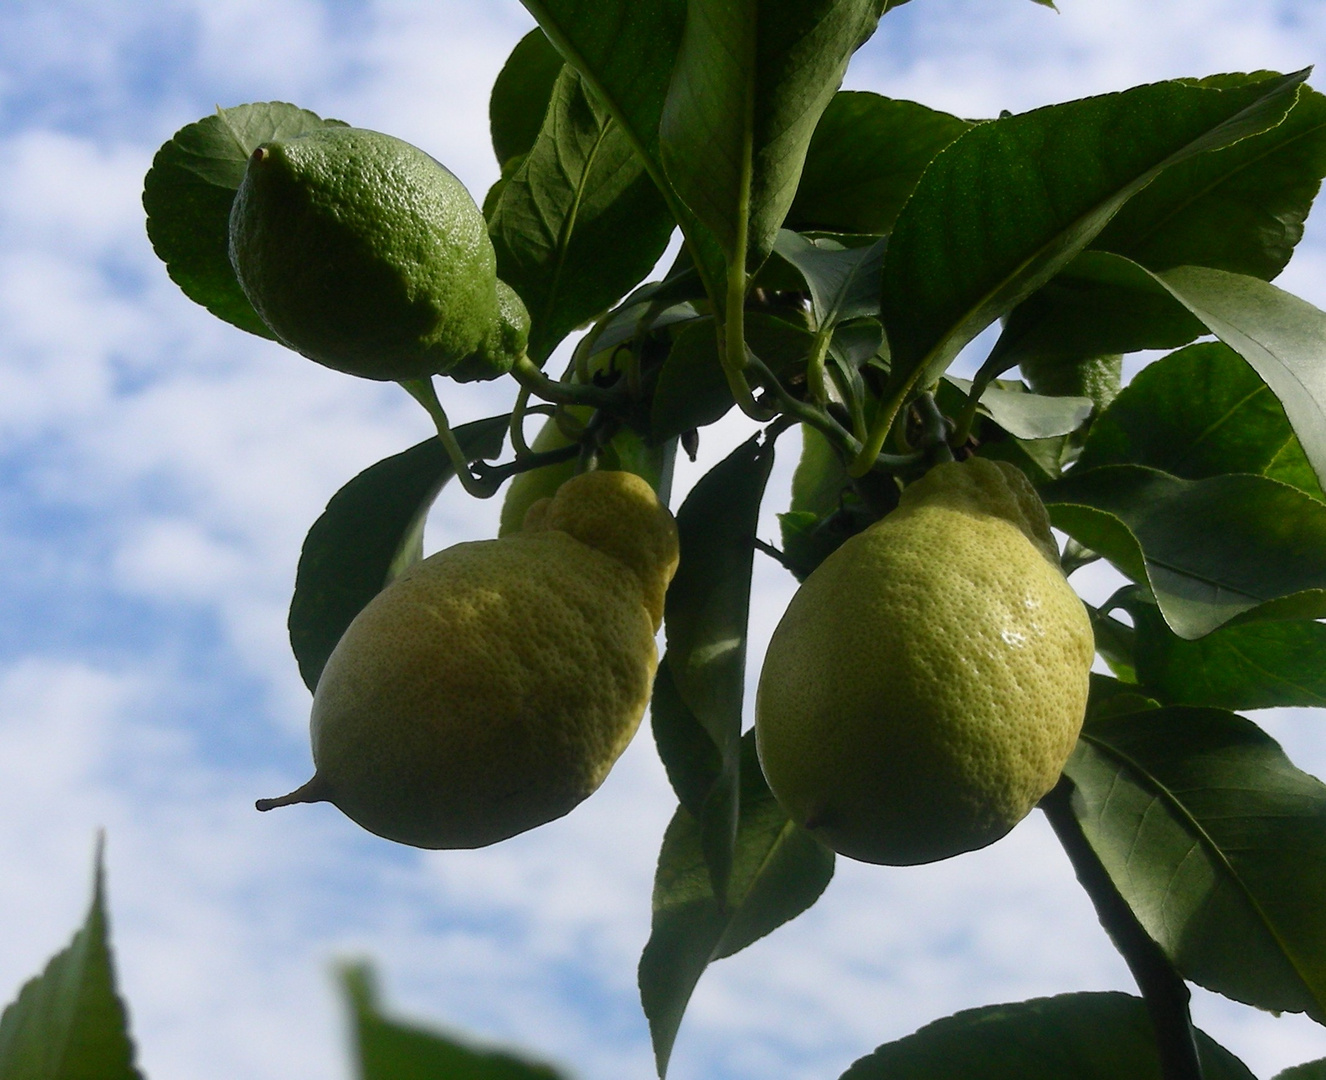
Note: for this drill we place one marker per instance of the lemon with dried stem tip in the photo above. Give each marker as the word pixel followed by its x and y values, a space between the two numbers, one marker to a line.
pixel 929 679
pixel 491 687
pixel 363 253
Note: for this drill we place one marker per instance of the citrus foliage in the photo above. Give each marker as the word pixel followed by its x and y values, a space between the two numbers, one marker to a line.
pixel 840 250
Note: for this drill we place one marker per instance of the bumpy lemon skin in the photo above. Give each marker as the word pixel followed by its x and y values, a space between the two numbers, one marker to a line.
pixel 929 680
pixel 491 687
pixel 363 253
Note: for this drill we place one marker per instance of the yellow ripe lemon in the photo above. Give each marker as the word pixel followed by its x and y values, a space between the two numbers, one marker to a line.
pixel 928 681
pixel 491 687
pixel 363 253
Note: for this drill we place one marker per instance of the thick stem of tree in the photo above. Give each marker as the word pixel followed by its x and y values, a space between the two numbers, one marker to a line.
pixel 1164 991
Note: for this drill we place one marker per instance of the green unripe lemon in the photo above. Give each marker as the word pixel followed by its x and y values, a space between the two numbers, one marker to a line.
pixel 491 687
pixel 360 251
pixel 929 679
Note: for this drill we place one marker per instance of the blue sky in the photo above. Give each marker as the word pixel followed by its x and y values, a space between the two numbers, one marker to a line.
pixel 157 473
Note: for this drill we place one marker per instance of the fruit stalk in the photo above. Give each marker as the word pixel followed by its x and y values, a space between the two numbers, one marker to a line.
pixel 1164 991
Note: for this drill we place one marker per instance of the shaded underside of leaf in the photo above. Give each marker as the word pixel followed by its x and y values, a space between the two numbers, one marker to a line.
pixel 1217 843
pixel 1084 1036
pixel 370 527
pixel 521 94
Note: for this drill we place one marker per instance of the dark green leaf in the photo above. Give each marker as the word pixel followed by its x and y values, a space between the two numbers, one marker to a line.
pixel 1240 209
pixel 1084 1036
pixel 1010 203
pixel 750 83
pixel 864 160
pixel 1100 304
pixel 371 530
pixel 1200 412
pixel 68 1023
pixel 1281 336
pixel 187 195
pixel 705 620
pixel 1210 550
pixel 843 281
pixel 778 871
pixel 521 94
pixel 1028 415
pixel 579 222
pixel 1247 666
pixel 1312 1070
pixel 387 1049
pixel 1217 843
pixel 625 51
pixel 692 391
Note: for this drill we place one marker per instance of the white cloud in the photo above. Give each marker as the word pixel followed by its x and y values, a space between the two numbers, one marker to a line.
pixel 191 458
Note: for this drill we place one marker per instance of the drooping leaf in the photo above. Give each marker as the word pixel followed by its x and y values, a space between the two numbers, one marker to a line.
pixel 1010 203
pixel 1240 209
pixel 387 1049
pixel 750 83
pixel 1281 336
pixel 68 1023
pixel 1217 843
pixel 1099 304
pixel 1247 666
pixel 843 281
pixel 778 871
pixel 371 530
pixel 579 222
pixel 864 160
pixel 708 605
pixel 1210 550
pixel 1200 412
pixel 1083 1036
pixel 1027 415
pixel 521 94
pixel 187 195
pixel 692 392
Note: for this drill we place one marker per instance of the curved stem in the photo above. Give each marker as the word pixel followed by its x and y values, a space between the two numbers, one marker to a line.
pixel 423 392
pixel 518 444
pixel 803 411
pixel 733 353
pixel 879 429
pixel 525 372
pixel 815 367
pixel 493 476
pixel 1165 993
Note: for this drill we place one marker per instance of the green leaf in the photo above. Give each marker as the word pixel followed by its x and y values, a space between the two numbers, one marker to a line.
pixel 387 1049
pixel 521 94
pixel 1211 550
pixel 68 1023
pixel 708 605
pixel 187 195
pixel 625 52
pixel 1281 336
pixel 1010 203
pixel 692 392
pixel 1247 666
pixel 779 870
pixel 579 222
pixel 1312 1070
pixel 843 281
pixel 1200 412
pixel 1217 843
pixel 1240 209
pixel 371 530
pixel 864 160
pixel 1100 304
pixel 1028 415
pixel 750 83
pixel 1083 1036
